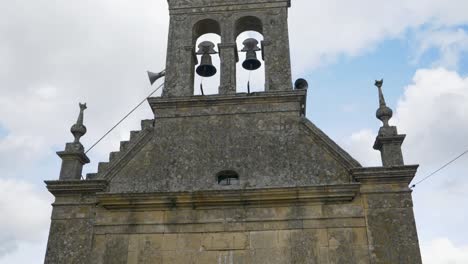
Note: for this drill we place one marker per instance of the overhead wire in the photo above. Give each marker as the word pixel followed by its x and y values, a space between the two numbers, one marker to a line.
pixel 125 117
pixel 439 169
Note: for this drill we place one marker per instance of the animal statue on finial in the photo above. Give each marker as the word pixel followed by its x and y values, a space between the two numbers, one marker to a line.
pixel 78 130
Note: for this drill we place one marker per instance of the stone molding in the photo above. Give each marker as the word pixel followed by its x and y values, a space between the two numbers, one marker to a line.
pixel 76 187
pixel 388 140
pixel 177 7
pixel 164 107
pixel 80 156
pixel 383 175
pixel 248 197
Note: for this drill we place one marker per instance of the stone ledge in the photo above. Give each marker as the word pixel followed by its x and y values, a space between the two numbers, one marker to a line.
pixel 381 140
pixel 239 226
pixel 383 175
pixel 240 103
pixel 76 187
pixel 270 196
pixel 200 6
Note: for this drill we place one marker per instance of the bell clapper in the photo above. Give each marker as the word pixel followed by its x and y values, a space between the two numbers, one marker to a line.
pixel 248 82
pixel 201 87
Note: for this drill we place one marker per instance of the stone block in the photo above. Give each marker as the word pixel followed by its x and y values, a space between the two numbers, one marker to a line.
pixel 388 200
pixel 343 210
pixel 264 239
pixel 268 255
pixel 347 236
pixel 116 249
pixel 189 241
pixel 225 241
pixel 350 254
pixel 169 242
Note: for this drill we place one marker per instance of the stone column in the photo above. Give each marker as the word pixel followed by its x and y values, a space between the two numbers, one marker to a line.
pixel 387 201
pixel 388 206
pixel 71 229
pixel 388 142
pixel 229 57
pixel 180 60
pixel 73 159
pixel 275 51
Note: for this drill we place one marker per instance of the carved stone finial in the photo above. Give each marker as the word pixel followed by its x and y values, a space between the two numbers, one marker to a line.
pixel 74 156
pixel 384 113
pixel 78 130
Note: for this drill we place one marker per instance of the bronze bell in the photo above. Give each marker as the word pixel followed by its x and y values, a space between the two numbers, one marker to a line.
pixel 206 68
pixel 250 47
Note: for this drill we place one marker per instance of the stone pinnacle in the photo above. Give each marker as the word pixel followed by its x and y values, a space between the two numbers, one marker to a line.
pixel 384 113
pixel 78 130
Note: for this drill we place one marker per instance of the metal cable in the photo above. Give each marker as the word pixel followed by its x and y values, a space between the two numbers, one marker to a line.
pixel 125 117
pixel 441 168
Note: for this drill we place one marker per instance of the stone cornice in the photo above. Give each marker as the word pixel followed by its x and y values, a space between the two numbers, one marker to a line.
pixel 381 140
pixel 221 198
pixel 280 101
pixel 66 155
pixel 201 6
pixel 394 174
pixel 76 187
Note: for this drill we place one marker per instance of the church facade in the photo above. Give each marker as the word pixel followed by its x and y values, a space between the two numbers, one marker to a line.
pixel 233 177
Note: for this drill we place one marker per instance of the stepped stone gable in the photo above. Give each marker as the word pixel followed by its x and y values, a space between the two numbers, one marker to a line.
pixel 263 138
pixel 232 177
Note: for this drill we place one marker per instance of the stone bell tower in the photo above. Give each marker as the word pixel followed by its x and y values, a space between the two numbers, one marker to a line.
pixel 232 177
pixel 191 19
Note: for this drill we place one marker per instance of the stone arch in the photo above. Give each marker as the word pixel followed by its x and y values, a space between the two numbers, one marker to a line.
pixel 205 26
pixel 206 29
pixel 255 78
pixel 248 23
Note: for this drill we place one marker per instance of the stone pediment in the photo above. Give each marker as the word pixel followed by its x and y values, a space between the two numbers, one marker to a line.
pixel 263 137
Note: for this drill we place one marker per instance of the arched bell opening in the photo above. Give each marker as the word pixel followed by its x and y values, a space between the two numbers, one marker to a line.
pixel 206 36
pixel 251 67
pixel 207 76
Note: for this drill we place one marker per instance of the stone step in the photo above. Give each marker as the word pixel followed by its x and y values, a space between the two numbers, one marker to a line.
pixel 123 145
pixel 113 155
pixel 134 134
pixel 102 166
pixel 148 123
pixel 91 176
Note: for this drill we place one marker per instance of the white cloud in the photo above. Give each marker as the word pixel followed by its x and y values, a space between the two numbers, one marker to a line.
pixel 350 28
pixel 443 251
pixel 434 113
pixel 25 214
pixel 450 42
pixel 360 146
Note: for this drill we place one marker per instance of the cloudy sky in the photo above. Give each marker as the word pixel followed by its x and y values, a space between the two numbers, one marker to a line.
pixel 54 54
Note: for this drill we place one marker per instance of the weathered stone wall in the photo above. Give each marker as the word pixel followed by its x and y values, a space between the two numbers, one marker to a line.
pixel 267 143
pixel 309 233
pixel 388 208
pixel 71 231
